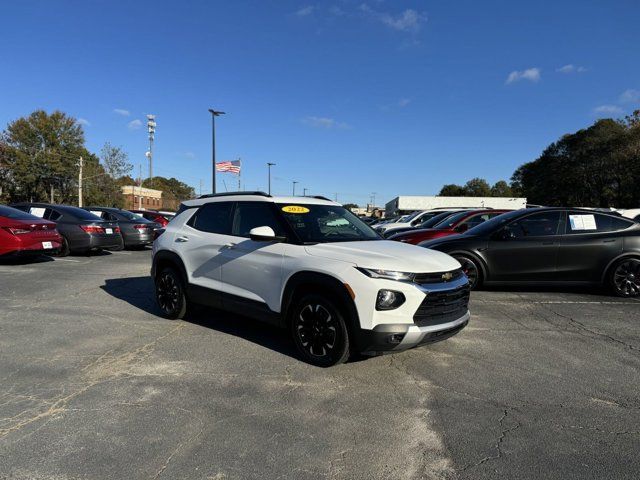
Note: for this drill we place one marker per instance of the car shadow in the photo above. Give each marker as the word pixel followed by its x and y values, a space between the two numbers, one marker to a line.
pixel 591 290
pixel 139 292
pixel 26 260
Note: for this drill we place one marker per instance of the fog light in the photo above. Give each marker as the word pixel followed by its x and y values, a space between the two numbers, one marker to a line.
pixel 389 299
pixel 395 338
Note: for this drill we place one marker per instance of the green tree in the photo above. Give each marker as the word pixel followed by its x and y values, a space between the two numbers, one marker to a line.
pixel 501 189
pixel 115 161
pixel 174 191
pixel 349 206
pixel 39 152
pixel 477 187
pixel 452 190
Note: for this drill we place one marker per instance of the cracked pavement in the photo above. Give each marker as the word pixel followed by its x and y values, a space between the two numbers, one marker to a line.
pixel 95 385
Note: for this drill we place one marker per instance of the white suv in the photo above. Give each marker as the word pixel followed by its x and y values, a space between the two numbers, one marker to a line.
pixel 311 266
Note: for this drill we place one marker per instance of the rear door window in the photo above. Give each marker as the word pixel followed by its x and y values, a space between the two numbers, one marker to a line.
pixel 52 215
pixel 580 222
pixel 213 217
pixel 249 215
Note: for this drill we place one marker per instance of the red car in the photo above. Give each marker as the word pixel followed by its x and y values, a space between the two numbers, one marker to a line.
pixel 24 234
pixel 153 216
pixel 456 223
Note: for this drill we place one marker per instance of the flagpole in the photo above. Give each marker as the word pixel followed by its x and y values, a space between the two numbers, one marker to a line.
pixel 239 173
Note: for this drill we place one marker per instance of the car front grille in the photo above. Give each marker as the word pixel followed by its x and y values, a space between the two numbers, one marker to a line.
pixel 442 307
pixel 438 277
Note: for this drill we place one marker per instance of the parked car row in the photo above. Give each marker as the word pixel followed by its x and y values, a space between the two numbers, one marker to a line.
pixel 30 228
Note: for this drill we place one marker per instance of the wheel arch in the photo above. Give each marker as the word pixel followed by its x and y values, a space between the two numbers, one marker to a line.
pixel 481 263
pixel 612 263
pixel 315 282
pixel 165 258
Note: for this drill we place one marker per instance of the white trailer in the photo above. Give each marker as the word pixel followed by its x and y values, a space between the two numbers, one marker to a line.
pixel 411 203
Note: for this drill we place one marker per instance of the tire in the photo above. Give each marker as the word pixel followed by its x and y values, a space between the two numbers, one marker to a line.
pixel 471 269
pixel 170 294
pixel 319 331
pixel 64 249
pixel 624 278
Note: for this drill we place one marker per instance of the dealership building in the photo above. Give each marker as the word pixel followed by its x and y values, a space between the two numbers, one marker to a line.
pixel 411 203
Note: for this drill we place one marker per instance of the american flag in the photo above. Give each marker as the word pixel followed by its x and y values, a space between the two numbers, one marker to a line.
pixel 233 166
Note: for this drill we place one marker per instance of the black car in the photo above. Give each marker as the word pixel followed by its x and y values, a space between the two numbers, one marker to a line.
pixel 550 245
pixel 81 231
pixel 136 230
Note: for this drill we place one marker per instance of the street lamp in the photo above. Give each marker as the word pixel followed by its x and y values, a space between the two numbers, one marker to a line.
pixel 151 128
pixel 214 114
pixel 304 191
pixel 269 165
pixel 294 188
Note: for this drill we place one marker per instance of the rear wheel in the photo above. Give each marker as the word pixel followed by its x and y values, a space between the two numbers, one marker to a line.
pixel 170 294
pixel 319 331
pixel 471 269
pixel 64 248
pixel 624 279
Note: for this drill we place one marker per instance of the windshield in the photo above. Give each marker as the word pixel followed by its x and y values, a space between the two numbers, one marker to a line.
pixel 494 223
pixel 326 223
pixel 132 216
pixel 433 221
pixel 408 218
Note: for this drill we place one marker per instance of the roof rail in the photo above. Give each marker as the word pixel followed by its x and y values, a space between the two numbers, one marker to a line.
pixel 319 197
pixel 228 194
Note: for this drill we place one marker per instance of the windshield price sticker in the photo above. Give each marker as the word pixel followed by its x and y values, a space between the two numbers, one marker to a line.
pixel 582 222
pixel 37 211
pixel 295 209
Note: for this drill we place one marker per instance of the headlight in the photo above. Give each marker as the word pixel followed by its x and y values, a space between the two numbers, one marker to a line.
pixel 387 274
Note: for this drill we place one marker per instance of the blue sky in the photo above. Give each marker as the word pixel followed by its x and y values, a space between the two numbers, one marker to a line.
pixel 346 97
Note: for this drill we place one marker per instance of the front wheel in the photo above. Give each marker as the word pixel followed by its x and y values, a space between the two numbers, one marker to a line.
pixel 170 294
pixel 319 331
pixel 471 269
pixel 624 279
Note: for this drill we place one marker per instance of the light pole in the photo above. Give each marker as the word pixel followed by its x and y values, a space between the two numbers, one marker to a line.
pixel 304 191
pixel 151 127
pixel 214 114
pixel 269 165
pixel 294 188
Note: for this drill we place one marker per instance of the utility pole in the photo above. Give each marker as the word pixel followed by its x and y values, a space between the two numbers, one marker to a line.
pixel 335 197
pixel 269 165
pixel 51 193
pixel 80 183
pixel 140 186
pixel 214 114
pixel 294 188
pixel 151 127
pixel 200 187
pixel 304 191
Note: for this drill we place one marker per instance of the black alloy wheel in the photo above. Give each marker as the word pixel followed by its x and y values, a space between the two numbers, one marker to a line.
pixel 625 279
pixel 319 331
pixel 471 270
pixel 170 294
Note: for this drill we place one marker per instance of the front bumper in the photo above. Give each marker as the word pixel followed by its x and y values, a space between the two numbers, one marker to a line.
pixel 394 338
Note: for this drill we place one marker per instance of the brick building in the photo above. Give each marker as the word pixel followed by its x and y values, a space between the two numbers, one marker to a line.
pixel 139 198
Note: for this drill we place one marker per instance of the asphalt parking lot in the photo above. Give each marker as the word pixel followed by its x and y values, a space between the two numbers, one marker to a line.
pixel 95 385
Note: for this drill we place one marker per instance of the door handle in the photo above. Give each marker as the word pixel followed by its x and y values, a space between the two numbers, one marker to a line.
pixel 230 245
pixel 547 243
pixel 610 240
pixel 182 239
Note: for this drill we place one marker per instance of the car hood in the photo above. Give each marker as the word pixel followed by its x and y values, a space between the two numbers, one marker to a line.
pixel 385 255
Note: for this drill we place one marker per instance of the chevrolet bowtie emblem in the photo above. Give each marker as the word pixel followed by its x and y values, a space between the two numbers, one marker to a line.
pixel 447 276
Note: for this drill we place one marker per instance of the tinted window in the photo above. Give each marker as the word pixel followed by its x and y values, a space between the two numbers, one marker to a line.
pixel 250 215
pixel 537 225
pixel 78 213
pixel 52 215
pixel 213 218
pixel 481 218
pixel 579 222
pixel 15 214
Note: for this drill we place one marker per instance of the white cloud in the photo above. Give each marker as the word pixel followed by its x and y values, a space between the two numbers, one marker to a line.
pixel 305 11
pixel 571 68
pixel 608 110
pixel 403 102
pixel 630 96
pixel 134 124
pixel 407 21
pixel 84 121
pixel 324 122
pixel 122 111
pixel 531 74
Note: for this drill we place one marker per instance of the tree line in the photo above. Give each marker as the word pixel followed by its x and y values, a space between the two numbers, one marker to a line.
pixel 598 166
pixel 40 162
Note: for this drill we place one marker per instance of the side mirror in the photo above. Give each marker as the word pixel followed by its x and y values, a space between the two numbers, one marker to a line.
pixel 503 234
pixel 264 234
